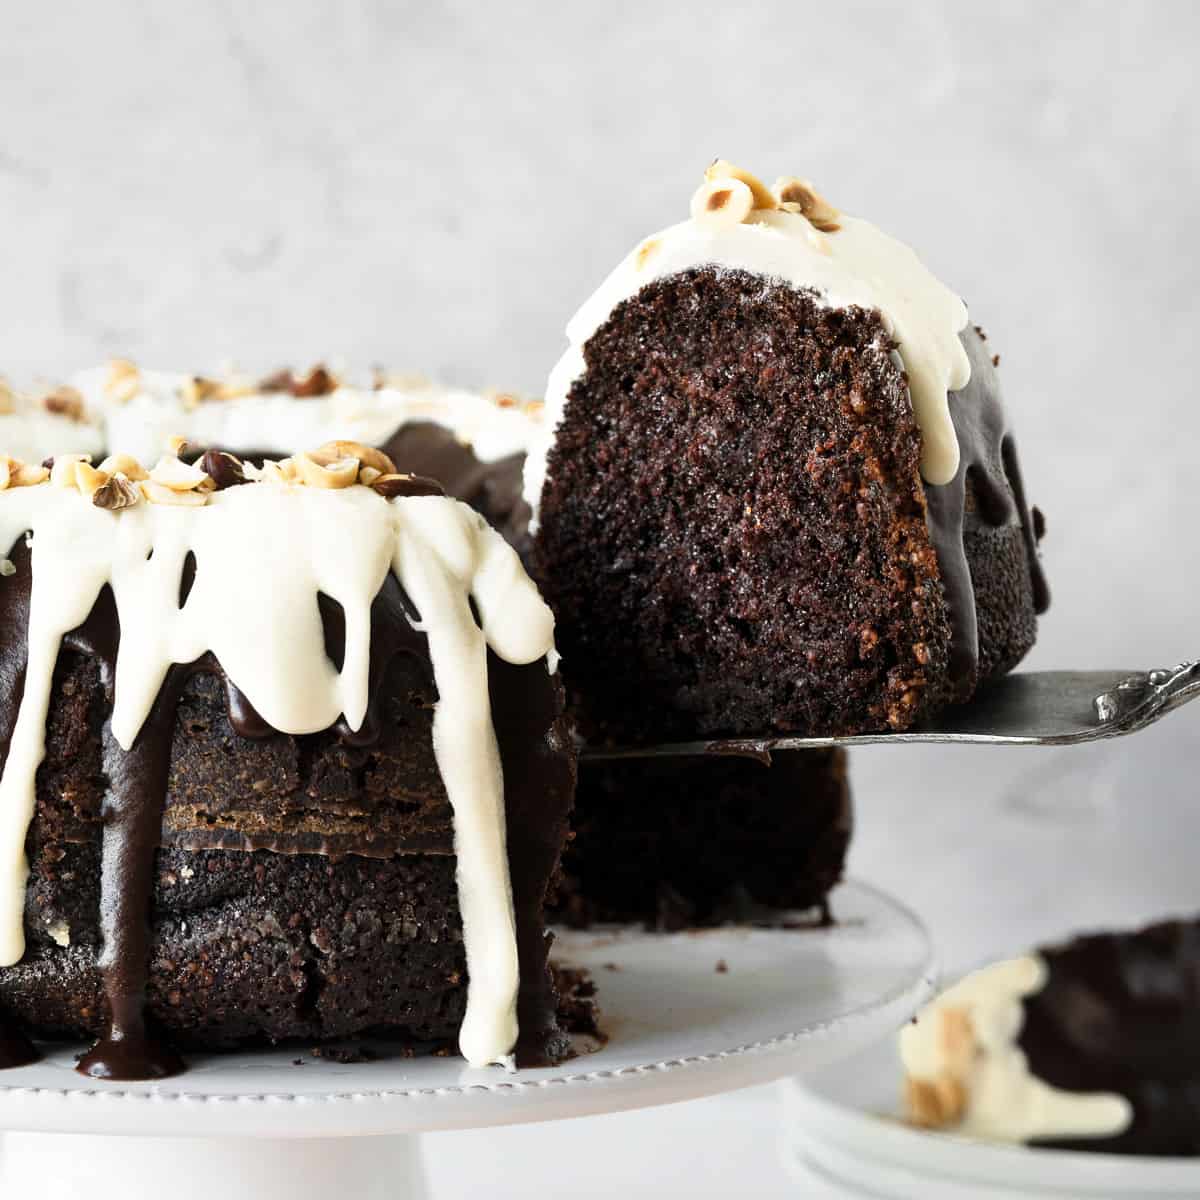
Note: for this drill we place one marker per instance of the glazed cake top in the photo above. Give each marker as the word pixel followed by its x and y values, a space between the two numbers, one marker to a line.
pixel 122 407
pixel 790 234
pixel 334 522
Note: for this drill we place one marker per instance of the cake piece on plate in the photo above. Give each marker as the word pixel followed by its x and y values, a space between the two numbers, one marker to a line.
pixel 776 488
pixel 1089 1045
pixel 283 756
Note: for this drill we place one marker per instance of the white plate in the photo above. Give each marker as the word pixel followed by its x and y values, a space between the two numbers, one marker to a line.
pixel 789 1001
pixel 841 1126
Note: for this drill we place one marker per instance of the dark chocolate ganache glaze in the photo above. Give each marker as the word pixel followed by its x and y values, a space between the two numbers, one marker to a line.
pixel 539 778
pixel 988 485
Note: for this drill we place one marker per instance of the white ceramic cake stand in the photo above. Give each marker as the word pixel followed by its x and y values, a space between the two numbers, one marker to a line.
pixel 688 1015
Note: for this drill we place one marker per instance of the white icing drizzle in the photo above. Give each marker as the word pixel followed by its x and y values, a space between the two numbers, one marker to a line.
pixel 263 553
pixel 857 266
pixel 280 423
pixel 1004 1100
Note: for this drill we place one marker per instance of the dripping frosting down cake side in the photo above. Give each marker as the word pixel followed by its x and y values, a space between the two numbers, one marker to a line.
pixel 307 724
pixel 775 488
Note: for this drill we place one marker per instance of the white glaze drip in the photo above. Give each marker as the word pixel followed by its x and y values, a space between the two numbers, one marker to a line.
pixel 857 266
pixel 1004 1100
pixel 263 553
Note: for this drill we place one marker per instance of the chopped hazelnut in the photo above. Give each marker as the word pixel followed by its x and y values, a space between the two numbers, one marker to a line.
pixel 331 452
pixel 158 493
pixel 26 474
pixel 646 251
pixel 123 380
pixel 224 471
pixel 790 191
pixel 63 468
pixel 118 491
pixel 126 465
pixel 721 204
pixel 391 486
pixel 339 473
pixel 87 479
pixel 722 170
pixel 65 402
pixel 174 473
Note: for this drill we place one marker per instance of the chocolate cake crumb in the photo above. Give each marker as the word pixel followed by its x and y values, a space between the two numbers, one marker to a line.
pixel 578 1010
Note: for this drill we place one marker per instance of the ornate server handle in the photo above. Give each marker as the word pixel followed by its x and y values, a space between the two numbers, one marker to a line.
pixel 1140 699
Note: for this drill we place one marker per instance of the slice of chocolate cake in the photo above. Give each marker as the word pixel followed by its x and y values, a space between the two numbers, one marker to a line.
pixel 1090 1045
pixel 776 489
pixel 280 761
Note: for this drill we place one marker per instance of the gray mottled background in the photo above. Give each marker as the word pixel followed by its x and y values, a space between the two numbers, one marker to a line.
pixel 439 185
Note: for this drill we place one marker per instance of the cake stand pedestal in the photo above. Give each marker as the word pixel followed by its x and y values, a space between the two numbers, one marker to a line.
pixel 688 1015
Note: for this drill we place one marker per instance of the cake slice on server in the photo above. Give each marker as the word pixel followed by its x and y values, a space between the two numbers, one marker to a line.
pixel 283 756
pixel 776 489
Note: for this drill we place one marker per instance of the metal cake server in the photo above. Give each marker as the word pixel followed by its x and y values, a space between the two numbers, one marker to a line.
pixel 1034 708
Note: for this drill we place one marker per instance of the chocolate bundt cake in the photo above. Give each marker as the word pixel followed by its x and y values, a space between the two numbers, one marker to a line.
pixel 776 489
pixel 281 761
pixel 1089 1045
pixel 696 841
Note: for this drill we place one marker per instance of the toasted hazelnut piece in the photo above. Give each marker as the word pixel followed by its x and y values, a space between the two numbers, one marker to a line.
pixel 223 470
pixel 535 408
pixel 726 170
pixel 391 486
pixel 235 386
pixel 64 402
pixel 646 251
pixel 26 474
pixel 158 493
pixel 282 472
pixel 126 465
pixel 789 190
pixel 936 1103
pixel 8 398
pixel 176 444
pixel 6 466
pixel 198 390
pixel 87 479
pixel 123 380
pixel 368 475
pixel 722 203
pixel 367 455
pixel 340 473
pixel 118 491
pixel 63 468
pixel 318 382
pixel 174 473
